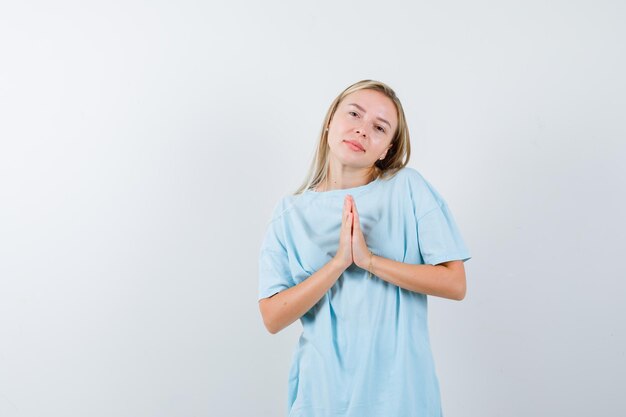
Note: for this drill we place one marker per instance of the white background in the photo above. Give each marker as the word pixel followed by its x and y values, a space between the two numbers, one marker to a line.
pixel 144 144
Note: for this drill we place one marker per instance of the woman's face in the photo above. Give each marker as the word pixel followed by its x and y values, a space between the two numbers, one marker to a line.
pixel 362 127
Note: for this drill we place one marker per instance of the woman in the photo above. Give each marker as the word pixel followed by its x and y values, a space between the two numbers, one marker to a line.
pixel 353 254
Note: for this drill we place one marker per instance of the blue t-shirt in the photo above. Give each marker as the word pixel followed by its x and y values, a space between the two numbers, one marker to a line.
pixel 364 349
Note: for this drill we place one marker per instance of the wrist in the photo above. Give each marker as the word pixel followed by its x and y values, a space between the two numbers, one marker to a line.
pixel 367 261
pixel 338 264
pixel 370 266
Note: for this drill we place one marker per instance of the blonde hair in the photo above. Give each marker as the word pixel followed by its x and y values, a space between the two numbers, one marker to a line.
pixel 396 158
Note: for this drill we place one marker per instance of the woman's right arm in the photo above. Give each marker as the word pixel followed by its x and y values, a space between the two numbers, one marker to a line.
pixel 287 306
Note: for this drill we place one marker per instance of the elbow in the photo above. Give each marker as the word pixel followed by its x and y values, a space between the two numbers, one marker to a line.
pixel 270 328
pixel 457 287
pixel 265 306
pixel 269 325
pixel 455 279
pixel 461 290
pixel 273 329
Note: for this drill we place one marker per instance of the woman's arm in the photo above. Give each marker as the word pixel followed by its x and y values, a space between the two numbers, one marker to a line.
pixel 287 306
pixel 446 279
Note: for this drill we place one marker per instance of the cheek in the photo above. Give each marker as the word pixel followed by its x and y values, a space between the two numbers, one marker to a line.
pixel 336 132
pixel 341 124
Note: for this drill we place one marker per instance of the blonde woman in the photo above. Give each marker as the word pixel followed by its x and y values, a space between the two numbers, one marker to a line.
pixel 353 254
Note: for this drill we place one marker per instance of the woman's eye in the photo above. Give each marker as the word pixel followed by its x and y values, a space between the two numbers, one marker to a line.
pixel 352 112
pixel 382 129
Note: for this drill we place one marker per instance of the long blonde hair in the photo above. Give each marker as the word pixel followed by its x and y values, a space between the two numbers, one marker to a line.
pixel 396 158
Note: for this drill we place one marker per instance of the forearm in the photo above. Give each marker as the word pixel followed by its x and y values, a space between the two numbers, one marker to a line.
pixel 437 280
pixel 289 305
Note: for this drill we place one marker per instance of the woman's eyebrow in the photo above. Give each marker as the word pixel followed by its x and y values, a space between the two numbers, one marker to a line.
pixel 363 110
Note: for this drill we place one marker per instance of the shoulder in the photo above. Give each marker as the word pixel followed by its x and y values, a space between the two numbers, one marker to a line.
pixel 410 174
pixel 413 179
pixel 421 191
pixel 283 206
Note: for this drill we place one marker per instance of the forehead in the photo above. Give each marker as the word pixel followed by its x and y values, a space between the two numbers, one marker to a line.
pixel 373 102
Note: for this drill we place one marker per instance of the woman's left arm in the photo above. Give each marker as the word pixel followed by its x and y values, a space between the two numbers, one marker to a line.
pixel 446 279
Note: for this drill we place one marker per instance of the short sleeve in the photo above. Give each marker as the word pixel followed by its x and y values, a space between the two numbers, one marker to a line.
pixel 439 237
pixel 274 271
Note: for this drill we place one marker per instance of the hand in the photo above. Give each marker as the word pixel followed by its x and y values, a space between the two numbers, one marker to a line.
pixel 360 251
pixel 344 252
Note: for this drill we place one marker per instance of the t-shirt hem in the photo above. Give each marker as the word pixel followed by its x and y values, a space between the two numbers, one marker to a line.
pixel 450 257
pixel 268 293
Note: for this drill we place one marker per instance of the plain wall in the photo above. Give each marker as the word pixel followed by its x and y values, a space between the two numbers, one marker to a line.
pixel 144 144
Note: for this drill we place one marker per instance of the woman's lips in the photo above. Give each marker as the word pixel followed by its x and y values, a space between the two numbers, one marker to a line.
pixel 354 147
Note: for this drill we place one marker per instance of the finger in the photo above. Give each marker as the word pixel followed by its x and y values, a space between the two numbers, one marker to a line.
pixel 357 222
pixel 351 222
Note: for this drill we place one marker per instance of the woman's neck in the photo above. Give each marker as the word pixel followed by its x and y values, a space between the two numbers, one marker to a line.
pixel 345 180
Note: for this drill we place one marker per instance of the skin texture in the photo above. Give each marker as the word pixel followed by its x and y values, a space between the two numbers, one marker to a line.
pixel 357 118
